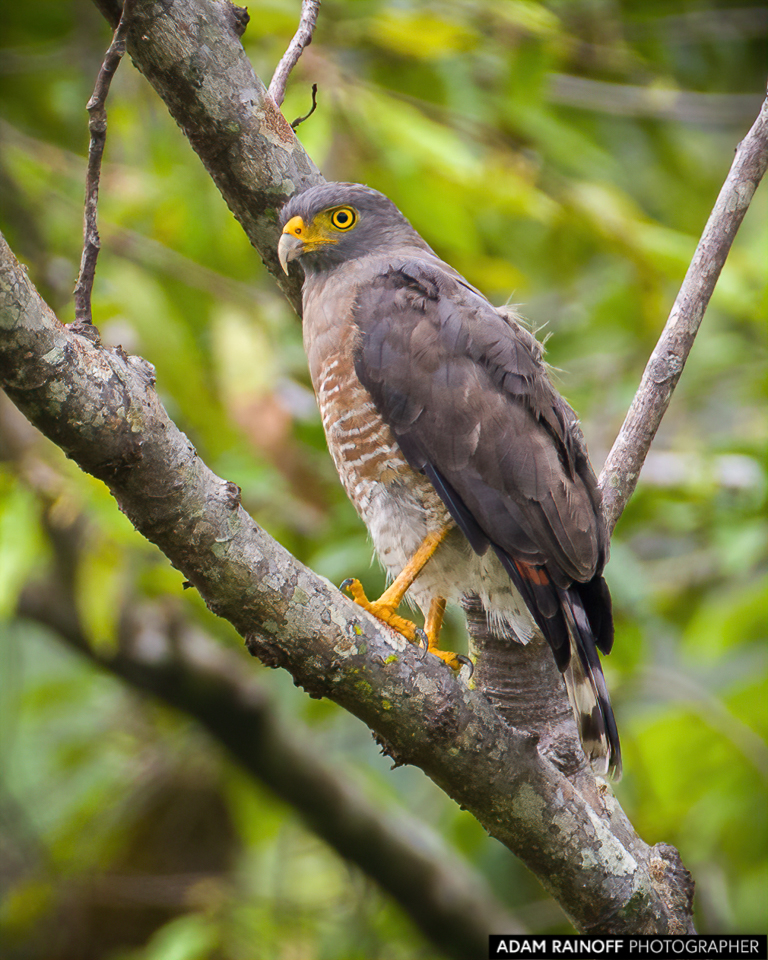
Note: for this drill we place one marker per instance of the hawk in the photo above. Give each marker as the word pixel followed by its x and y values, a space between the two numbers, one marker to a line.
pixel 468 468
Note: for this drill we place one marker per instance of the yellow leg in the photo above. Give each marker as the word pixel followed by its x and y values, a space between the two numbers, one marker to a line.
pixel 432 629
pixel 434 623
pixel 384 608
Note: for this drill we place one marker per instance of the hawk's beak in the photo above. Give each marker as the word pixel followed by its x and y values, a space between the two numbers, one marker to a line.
pixel 289 248
pixel 299 238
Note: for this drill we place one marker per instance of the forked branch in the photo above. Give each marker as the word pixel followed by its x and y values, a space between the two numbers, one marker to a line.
pixel 583 848
pixel 101 408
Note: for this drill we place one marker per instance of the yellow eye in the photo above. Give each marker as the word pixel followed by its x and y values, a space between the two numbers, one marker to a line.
pixel 344 218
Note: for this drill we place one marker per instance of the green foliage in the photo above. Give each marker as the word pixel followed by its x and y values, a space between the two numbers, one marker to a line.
pixel 564 155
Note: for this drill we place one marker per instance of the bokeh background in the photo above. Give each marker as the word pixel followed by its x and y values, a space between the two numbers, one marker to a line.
pixel 564 156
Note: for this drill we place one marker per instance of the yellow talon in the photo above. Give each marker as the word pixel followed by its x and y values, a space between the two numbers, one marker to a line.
pixel 384 608
pixel 381 609
pixel 432 629
pixel 453 660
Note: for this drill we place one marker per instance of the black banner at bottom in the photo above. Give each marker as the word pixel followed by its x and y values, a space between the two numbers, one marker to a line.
pixel 640 947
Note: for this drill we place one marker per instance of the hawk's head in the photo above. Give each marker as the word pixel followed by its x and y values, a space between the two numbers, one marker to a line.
pixel 335 222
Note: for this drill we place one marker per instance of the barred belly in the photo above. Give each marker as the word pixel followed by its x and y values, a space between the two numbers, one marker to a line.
pixel 400 506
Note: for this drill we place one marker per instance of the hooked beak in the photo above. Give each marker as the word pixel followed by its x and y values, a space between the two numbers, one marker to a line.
pixel 289 248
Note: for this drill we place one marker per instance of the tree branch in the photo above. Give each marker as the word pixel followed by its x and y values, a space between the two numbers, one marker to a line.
pixel 299 120
pixel 97 125
pixel 301 39
pixel 101 408
pixel 622 467
pixel 448 901
pixel 514 787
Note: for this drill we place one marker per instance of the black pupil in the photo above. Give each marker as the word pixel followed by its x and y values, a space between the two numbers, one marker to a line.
pixel 342 218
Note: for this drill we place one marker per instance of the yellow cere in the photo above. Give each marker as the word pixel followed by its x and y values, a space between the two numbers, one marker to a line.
pixel 295 227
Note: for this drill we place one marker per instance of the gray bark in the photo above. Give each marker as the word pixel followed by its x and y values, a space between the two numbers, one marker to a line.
pixel 101 408
pixel 522 777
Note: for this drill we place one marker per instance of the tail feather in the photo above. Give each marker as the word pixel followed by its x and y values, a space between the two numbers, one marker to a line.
pixel 596 598
pixel 541 597
pixel 576 621
pixel 588 693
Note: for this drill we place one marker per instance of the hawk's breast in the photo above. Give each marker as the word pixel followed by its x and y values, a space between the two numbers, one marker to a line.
pixel 398 505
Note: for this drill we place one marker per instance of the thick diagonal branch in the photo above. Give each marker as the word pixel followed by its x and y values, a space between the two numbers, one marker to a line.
pixel 101 408
pixel 443 896
pixel 190 671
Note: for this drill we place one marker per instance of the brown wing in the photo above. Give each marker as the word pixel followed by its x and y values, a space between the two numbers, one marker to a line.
pixel 470 404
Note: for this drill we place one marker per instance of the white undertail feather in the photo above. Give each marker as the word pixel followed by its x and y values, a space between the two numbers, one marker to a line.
pixel 587 714
pixel 592 711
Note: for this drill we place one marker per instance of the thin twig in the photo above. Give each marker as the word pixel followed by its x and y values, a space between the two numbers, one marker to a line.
pixel 302 38
pixel 622 467
pixel 311 110
pixel 97 125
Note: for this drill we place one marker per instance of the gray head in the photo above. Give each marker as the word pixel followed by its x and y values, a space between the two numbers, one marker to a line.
pixel 335 222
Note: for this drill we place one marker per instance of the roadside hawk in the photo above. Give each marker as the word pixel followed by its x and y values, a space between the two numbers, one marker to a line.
pixel 466 465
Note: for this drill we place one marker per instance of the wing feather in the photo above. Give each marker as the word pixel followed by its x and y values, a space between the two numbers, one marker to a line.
pixel 466 393
pixel 468 399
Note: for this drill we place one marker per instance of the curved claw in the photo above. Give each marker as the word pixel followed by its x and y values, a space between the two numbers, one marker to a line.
pixel 422 641
pixel 466 662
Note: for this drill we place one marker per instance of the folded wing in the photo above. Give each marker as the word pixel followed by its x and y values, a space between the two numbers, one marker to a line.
pixel 465 393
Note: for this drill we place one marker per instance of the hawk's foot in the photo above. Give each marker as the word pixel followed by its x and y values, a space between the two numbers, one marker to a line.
pixel 383 610
pixel 454 660
pixel 432 628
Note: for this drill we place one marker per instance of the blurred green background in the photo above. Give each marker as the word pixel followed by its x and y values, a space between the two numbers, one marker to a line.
pixel 564 156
